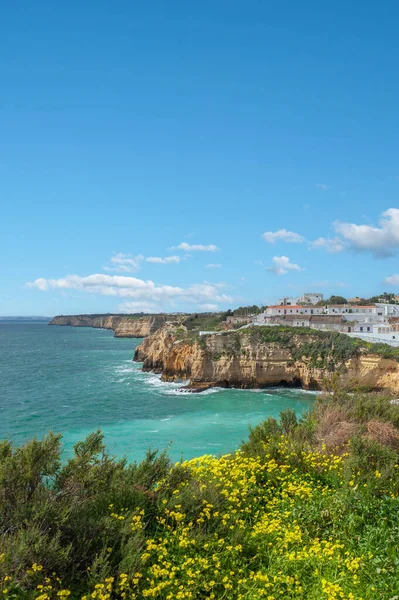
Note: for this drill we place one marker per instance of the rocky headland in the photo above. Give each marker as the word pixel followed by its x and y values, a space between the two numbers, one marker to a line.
pixel 128 326
pixel 269 356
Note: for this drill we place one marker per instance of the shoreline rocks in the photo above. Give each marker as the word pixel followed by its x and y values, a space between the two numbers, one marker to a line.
pixel 241 360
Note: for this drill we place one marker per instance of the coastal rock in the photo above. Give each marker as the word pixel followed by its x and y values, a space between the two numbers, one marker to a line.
pixel 135 327
pixel 243 361
pixel 129 326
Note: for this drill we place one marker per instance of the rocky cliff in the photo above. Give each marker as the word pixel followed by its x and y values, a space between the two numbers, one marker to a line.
pixel 123 326
pixel 139 327
pixel 261 357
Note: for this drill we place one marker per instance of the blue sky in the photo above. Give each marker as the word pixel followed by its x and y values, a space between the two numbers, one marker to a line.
pixel 142 142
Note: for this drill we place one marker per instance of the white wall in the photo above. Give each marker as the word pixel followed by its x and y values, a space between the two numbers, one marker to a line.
pixel 392 339
pixel 364 317
pixel 278 311
pixel 388 309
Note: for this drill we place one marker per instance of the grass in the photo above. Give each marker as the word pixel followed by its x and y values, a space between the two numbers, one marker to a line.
pixel 204 321
pixel 297 512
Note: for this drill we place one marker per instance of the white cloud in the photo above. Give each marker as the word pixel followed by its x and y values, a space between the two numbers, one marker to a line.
pixel 128 263
pixel 393 280
pixel 381 241
pixel 198 247
pixel 41 284
pixel 282 234
pixel 282 264
pixel 243 278
pixel 322 186
pixel 163 261
pixel 332 245
pixel 131 287
pixel 138 307
pixel 210 307
pixel 213 266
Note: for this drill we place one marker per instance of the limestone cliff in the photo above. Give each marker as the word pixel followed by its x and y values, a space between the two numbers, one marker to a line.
pixel 123 326
pixel 139 327
pixel 248 359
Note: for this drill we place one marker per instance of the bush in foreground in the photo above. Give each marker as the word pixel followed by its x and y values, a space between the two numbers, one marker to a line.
pixel 287 516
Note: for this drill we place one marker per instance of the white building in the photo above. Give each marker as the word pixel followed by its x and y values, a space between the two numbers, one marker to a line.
pixel 388 310
pixel 347 309
pixel 296 309
pixel 376 333
pixel 287 301
pixel 310 298
pixel 372 313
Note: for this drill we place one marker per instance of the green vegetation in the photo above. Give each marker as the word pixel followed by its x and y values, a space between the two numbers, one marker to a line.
pixel 204 321
pixel 248 310
pixel 385 297
pixel 333 300
pixel 306 509
pixel 323 348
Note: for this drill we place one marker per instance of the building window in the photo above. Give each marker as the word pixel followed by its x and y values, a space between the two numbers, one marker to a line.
pixel 368 328
pixel 361 329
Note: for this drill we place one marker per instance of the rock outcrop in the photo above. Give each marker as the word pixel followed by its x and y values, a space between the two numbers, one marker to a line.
pixel 136 327
pixel 123 326
pixel 244 360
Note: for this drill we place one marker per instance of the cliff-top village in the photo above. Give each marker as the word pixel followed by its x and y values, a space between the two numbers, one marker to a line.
pixel 376 322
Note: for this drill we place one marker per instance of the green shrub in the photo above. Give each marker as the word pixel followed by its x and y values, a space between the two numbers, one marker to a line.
pixel 283 514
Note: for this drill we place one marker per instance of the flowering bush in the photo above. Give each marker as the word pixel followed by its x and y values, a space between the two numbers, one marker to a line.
pixel 280 518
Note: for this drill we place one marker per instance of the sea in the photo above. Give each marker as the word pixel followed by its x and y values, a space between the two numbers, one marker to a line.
pixel 73 381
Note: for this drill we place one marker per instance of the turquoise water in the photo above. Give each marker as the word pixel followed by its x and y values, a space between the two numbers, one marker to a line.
pixel 75 380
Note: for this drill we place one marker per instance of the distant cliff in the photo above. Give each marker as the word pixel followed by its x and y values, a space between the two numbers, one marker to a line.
pixel 267 356
pixel 129 326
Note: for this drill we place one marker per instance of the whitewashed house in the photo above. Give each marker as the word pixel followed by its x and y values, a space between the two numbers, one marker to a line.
pixel 296 309
pixel 388 310
pixel 287 301
pixel 310 298
pixel 338 309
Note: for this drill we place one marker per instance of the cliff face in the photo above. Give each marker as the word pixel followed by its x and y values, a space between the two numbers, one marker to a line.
pixel 232 360
pixel 123 326
pixel 139 327
pixel 99 321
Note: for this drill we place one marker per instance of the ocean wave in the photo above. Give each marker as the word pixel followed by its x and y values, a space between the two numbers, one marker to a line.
pixel 124 370
pixel 173 388
pixel 297 391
